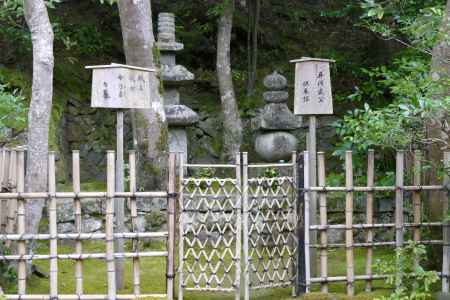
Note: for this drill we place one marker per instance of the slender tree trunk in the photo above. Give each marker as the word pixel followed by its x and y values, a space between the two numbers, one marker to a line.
pixel 232 126
pixel 151 125
pixel 40 108
pixel 254 8
pixel 440 71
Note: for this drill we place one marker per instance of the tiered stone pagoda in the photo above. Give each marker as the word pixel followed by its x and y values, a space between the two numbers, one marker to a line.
pixel 179 116
pixel 274 141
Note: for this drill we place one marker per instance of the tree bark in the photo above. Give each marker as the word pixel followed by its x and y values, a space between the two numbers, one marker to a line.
pixel 40 108
pixel 440 71
pixel 232 126
pixel 151 125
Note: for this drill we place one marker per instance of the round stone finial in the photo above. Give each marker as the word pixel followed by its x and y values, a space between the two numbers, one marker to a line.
pixel 275 81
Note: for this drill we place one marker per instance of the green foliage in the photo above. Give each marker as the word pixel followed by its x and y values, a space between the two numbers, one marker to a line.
pixel 7 272
pixel 13 110
pixel 271 173
pixel 403 270
pixel 414 23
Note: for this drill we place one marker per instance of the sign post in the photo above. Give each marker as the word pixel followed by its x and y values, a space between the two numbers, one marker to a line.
pixel 312 97
pixel 120 87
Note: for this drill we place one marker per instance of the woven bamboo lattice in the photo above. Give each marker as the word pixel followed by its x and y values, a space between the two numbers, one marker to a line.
pixel 210 232
pixel 270 218
pixel 13 200
pixel 212 211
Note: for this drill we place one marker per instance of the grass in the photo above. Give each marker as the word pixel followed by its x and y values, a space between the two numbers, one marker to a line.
pixel 153 276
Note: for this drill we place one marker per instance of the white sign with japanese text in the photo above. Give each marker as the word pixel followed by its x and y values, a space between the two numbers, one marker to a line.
pixel 313 94
pixel 120 86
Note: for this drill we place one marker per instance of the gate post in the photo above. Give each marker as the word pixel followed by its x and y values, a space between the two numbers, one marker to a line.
pixel 301 261
pixel 171 199
pixel 237 209
pixel 181 232
pixel 445 227
pixel 245 224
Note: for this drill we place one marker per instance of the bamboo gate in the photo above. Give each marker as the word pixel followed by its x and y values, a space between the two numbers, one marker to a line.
pixel 243 223
pixel 13 202
pixel 241 228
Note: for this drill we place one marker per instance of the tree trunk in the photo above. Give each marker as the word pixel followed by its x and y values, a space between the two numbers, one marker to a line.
pixel 151 125
pixel 440 71
pixel 40 108
pixel 232 127
pixel 254 8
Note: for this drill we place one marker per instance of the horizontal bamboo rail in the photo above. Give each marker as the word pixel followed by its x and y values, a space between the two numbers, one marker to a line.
pixel 81 195
pixel 85 256
pixel 83 297
pixel 325 189
pixel 83 236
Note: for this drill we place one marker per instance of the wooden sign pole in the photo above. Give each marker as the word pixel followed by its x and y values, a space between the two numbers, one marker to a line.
pixel 120 87
pixel 119 203
pixel 313 97
pixel 311 144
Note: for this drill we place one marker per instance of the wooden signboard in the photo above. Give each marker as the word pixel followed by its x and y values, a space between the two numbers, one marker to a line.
pixel 120 86
pixel 312 87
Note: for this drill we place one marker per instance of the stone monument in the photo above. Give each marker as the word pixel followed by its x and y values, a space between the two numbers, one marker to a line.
pixel 274 140
pixel 179 116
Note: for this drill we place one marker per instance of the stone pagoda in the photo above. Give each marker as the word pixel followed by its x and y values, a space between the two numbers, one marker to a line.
pixel 179 116
pixel 274 140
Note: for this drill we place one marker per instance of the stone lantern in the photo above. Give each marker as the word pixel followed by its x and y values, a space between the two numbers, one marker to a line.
pixel 274 140
pixel 179 116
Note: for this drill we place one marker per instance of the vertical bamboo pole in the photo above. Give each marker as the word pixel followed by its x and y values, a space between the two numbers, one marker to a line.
pixel 446 228
pixel 349 221
pixel 307 220
pixel 245 225
pixel 109 226
pixel 134 224
pixel 12 203
pixel 52 223
pixel 2 202
pixel 323 222
pixel 399 169
pixel 21 245
pixel 237 210
pixel 399 198
pixel 295 218
pixel 78 222
pixel 5 167
pixel 2 166
pixel 416 194
pixel 171 206
pixel 181 228
pixel 3 186
pixel 369 216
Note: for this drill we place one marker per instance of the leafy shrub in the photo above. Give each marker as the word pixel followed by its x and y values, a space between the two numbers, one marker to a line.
pixel 7 272
pixel 403 270
pixel 13 110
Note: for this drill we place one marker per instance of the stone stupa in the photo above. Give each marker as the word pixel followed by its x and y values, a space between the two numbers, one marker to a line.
pixel 179 116
pixel 274 140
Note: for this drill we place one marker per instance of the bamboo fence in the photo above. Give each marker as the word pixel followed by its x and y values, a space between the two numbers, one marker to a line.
pixel 13 227
pixel 399 225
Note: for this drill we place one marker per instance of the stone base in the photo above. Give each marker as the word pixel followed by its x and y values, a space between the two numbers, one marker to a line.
pixel 275 146
pixel 178 141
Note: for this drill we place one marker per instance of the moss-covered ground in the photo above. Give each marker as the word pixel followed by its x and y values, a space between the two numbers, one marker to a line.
pixel 153 275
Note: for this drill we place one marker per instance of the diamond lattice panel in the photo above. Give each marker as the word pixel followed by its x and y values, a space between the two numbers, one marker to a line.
pixel 272 232
pixel 210 215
